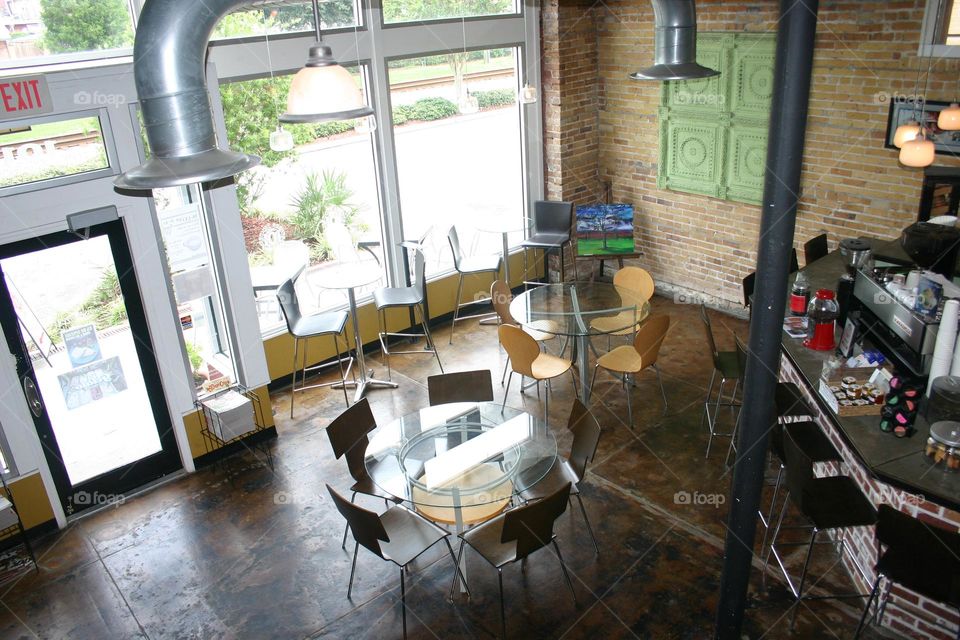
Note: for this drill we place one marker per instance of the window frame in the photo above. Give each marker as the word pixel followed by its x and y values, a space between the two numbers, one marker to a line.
pixel 931 28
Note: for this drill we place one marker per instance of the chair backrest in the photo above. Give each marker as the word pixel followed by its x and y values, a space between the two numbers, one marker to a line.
pixel 460 386
pixel 454 239
pixel 794 265
pixel 500 297
pixel 586 437
pixel 799 470
pixel 348 436
pixel 341 242
pixel 815 248
pixel 650 337
pixel 365 525
pixel 552 217
pixel 520 346
pixel 709 331
pixel 921 539
pixel 531 526
pixel 419 273
pixel 636 279
pixel 749 284
pixel 287 297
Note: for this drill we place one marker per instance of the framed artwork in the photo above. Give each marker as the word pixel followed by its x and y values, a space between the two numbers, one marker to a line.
pixel 902 111
pixel 605 230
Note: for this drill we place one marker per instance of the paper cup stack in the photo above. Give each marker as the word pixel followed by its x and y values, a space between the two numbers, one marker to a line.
pixel 945 356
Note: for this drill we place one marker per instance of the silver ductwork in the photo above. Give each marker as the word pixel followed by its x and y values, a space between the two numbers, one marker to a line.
pixel 675 43
pixel 169 71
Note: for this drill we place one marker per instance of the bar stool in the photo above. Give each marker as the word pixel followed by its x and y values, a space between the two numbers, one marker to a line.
pixel 468 265
pixel 815 248
pixel 724 363
pixel 829 503
pixel 551 230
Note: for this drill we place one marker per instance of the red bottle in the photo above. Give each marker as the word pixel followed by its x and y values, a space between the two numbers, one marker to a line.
pixel 823 312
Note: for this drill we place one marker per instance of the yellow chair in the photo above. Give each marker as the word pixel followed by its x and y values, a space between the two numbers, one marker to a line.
pixel 630 359
pixel 540 330
pixel 529 361
pixel 635 287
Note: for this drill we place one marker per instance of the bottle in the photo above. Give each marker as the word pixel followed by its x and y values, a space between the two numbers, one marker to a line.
pixel 800 295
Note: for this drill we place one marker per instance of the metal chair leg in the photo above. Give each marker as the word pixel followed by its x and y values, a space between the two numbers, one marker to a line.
pixel 293 389
pixel 456 305
pixel 504 376
pixel 507 391
pixel 803 578
pixel 629 402
pixel 346 527
pixel 343 377
pixel 712 420
pixel 403 602
pixel 503 613
pixel 565 574
pixel 427 335
pixel 353 569
pixel 866 609
pixel 546 404
pixel 773 505
pixel 706 403
pixel 382 322
pixel 458 572
pixel 773 540
pixel 662 391
pixel 596 548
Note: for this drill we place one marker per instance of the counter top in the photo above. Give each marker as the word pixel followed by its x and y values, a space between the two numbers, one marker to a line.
pixel 896 461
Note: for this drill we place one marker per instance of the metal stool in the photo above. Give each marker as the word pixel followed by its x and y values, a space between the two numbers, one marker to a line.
pixel 551 230
pixel 467 265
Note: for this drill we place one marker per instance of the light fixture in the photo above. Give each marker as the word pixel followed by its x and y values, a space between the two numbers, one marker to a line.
pixel 917 152
pixel 528 94
pixel 323 90
pixel 675 43
pixel 906 132
pixel 949 119
pixel 281 140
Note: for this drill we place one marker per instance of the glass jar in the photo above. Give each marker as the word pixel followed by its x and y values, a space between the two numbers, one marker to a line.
pixel 823 308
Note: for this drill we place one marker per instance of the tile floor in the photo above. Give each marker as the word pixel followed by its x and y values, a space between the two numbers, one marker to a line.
pixel 257 554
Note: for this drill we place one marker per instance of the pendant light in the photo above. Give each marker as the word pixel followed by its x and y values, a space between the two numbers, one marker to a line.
pixel 918 152
pixel 323 90
pixel 911 128
pixel 949 119
pixel 280 140
pixel 528 92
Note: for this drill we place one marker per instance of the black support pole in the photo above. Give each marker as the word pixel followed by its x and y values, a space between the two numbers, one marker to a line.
pixel 788 120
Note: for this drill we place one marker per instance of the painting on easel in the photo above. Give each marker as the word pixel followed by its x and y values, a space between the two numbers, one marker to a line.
pixel 605 230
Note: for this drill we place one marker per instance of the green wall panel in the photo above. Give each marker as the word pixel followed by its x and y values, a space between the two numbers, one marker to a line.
pixel 713 132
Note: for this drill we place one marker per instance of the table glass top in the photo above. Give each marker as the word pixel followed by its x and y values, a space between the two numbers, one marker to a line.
pixel 460 454
pixel 345 275
pixel 581 308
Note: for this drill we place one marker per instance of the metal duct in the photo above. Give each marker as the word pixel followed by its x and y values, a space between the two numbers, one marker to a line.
pixel 168 53
pixel 675 43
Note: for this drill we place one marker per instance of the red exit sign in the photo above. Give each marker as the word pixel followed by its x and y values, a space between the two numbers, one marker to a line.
pixel 24 96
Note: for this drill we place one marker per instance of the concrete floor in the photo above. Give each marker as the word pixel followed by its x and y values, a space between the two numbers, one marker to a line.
pixel 257 554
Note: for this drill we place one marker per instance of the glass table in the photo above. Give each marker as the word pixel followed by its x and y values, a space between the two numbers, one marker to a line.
pixel 461 463
pixel 573 306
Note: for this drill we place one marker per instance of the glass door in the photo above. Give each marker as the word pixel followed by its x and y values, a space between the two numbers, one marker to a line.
pixel 72 317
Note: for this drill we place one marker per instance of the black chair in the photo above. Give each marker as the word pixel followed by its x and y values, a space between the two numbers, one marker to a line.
pixel 460 386
pixel 515 535
pixel 919 556
pixel 468 265
pixel 586 438
pixel 551 230
pixel 348 437
pixel 409 297
pixel 834 502
pixel 301 327
pixel 725 364
pixel 398 536
pixel 815 248
pixel 794 265
pixel 749 284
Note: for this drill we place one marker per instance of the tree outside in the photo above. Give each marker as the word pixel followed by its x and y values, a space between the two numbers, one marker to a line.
pixel 85 25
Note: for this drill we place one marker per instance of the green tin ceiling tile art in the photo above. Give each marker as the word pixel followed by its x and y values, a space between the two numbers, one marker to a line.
pixel 713 131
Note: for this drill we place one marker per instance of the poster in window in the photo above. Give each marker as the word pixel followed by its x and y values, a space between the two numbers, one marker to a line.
pixel 92 382
pixel 82 345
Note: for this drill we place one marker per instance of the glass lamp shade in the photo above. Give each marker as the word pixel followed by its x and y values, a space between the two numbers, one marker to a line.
pixel 905 132
pixel 528 94
pixel 324 91
pixel 949 119
pixel 469 104
pixel 281 140
pixel 366 125
pixel 917 152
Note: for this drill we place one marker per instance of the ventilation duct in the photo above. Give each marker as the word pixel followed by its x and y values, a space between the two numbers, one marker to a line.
pixel 675 43
pixel 169 71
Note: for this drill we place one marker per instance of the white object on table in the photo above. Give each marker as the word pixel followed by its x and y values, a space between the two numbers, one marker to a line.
pixel 943 351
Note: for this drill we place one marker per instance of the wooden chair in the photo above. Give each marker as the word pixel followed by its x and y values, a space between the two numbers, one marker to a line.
pixel 398 536
pixel 460 386
pixel 529 361
pixel 629 360
pixel 586 437
pixel 515 535
pixel 633 279
pixel 540 330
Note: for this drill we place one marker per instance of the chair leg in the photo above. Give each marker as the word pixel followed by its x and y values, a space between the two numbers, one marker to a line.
pixel 346 527
pixel 382 322
pixel 629 402
pixel 456 305
pixel 662 391
pixel 403 602
pixel 866 609
pixel 563 273
pixel 429 336
pixel 504 376
pixel 803 578
pixel 456 566
pixel 712 420
pixel 565 574
pixel 593 379
pixel 456 562
pixel 773 505
pixel 503 613
pixel 507 391
pixel 546 403
pixel 576 387
pixel 706 403
pixel 596 548
pixel 353 569
pixel 293 389
pixel 773 540
pixel 343 377
pixel 525 275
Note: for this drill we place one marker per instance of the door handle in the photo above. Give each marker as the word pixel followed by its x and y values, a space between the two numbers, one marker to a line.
pixel 33 396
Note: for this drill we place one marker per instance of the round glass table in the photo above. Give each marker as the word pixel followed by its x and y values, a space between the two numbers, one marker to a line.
pixel 573 307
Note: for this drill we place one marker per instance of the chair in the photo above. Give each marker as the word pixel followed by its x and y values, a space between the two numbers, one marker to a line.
pixel 815 248
pixel 468 265
pixel 586 437
pixel 630 359
pixel 398 536
pixel 301 327
pixel 540 330
pixel 830 503
pixel 348 437
pixel 460 386
pixel 726 365
pixel 410 297
pixel 515 535
pixel 919 556
pixel 633 279
pixel 551 229
pixel 527 360
pixel 749 284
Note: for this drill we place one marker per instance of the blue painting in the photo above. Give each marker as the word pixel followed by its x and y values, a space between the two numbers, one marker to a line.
pixel 605 230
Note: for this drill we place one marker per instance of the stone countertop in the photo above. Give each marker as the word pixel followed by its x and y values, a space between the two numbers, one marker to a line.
pixel 897 461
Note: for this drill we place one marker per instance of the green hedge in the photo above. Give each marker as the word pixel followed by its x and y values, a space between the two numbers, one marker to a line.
pixel 432 109
pixel 494 97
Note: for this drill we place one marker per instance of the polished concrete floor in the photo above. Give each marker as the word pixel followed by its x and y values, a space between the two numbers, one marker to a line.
pixel 256 553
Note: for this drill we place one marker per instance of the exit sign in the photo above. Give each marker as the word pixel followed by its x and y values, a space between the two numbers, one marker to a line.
pixel 24 96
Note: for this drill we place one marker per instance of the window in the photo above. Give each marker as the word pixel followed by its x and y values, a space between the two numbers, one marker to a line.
pixel 458 147
pixel 287 17
pixel 395 11
pixel 940 35
pixel 66 29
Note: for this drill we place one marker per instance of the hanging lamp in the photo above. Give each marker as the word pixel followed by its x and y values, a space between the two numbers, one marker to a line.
pixel 906 132
pixel 918 152
pixel 281 140
pixel 949 118
pixel 323 90
pixel 528 92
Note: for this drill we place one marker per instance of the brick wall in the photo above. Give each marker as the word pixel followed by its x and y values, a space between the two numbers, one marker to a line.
pixel 852 185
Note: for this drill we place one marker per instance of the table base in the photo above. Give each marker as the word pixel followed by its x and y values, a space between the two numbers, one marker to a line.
pixel 363 384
